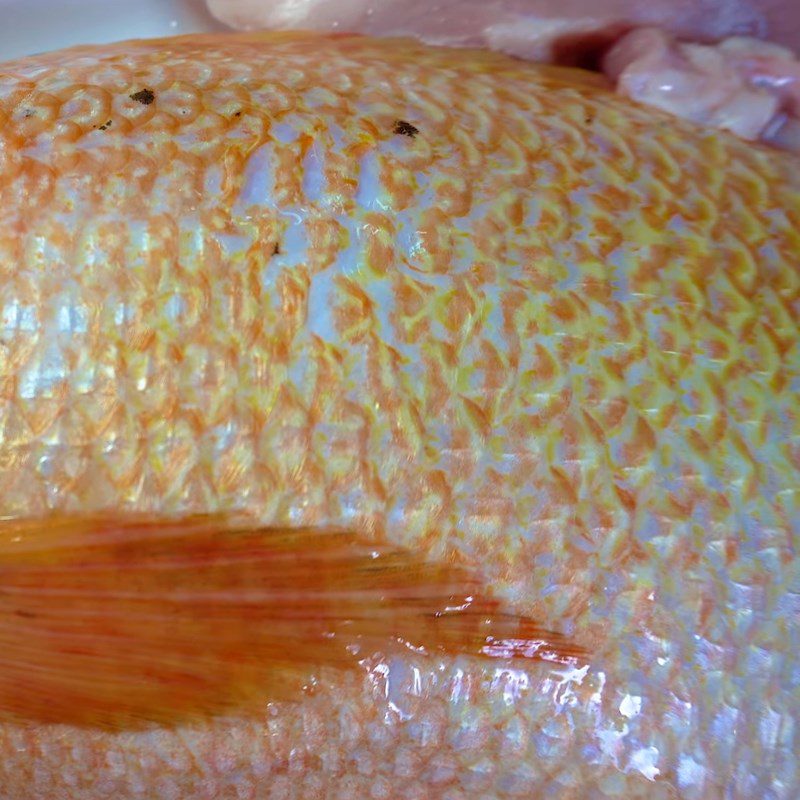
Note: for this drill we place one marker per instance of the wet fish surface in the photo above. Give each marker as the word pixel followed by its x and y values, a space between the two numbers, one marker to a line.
pixel 487 310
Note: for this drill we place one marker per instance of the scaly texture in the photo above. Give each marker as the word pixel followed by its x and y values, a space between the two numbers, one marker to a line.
pixel 486 308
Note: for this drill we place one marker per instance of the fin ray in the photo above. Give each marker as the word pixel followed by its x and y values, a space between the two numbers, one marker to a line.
pixel 116 621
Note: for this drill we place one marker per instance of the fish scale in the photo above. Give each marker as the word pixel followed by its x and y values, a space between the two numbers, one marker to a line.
pixel 551 331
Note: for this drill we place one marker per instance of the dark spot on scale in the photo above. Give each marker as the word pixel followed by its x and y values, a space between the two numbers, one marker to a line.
pixel 143 96
pixel 25 614
pixel 106 126
pixel 276 249
pixel 237 114
pixel 589 118
pixel 403 128
pixel 27 114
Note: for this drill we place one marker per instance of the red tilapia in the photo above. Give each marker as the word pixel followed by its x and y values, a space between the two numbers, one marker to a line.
pixel 273 307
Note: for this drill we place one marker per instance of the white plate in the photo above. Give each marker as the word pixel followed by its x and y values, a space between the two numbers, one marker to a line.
pixel 33 26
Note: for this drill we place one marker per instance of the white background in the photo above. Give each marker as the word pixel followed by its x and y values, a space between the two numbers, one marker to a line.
pixel 33 26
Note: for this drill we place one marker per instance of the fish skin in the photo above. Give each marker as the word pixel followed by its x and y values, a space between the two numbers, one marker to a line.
pixel 552 333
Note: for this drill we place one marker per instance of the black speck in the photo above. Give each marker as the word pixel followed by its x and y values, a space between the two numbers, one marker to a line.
pixel 106 126
pixel 276 250
pixel 27 114
pixel 237 114
pixel 25 614
pixel 588 119
pixel 144 96
pixel 403 128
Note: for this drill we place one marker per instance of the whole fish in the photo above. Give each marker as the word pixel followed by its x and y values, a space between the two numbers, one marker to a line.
pixel 273 307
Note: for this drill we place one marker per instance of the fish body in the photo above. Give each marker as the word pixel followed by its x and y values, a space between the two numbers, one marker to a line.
pixel 487 310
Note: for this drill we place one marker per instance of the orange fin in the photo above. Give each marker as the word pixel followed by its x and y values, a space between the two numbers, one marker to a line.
pixel 115 622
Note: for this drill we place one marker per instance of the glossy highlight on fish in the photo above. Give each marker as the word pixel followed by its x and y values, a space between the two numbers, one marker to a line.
pixel 485 312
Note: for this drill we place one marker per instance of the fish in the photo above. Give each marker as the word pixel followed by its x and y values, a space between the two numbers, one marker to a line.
pixel 531 344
